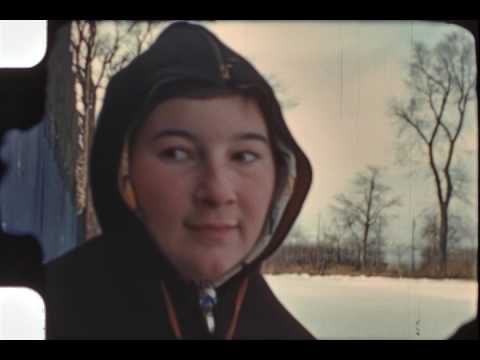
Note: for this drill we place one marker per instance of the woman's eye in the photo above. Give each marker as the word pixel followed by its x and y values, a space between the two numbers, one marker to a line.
pixel 176 154
pixel 245 156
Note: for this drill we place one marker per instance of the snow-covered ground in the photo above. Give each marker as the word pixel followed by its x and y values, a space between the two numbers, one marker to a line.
pixel 344 307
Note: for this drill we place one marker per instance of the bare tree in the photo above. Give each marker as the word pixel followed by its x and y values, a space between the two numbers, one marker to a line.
pixel 364 207
pixel 458 230
pixel 376 250
pixel 98 51
pixel 334 236
pixel 430 235
pixel 352 250
pixel 442 83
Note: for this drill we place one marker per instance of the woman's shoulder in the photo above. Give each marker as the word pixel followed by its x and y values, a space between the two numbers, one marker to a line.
pixel 86 252
pixel 265 317
pixel 78 286
pixel 83 266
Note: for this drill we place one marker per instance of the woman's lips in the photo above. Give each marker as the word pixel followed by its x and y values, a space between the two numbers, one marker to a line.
pixel 212 230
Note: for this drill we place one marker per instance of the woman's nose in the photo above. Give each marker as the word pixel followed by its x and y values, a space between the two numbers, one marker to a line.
pixel 215 187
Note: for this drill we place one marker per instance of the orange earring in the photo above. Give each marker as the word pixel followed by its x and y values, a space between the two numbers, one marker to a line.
pixel 129 196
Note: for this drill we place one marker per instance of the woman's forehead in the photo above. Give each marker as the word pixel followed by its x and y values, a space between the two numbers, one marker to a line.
pixel 224 114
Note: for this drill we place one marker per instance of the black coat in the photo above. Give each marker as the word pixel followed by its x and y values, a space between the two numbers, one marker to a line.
pixel 21 262
pixel 99 291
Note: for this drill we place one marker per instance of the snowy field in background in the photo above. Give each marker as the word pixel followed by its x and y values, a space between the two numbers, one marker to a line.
pixel 344 307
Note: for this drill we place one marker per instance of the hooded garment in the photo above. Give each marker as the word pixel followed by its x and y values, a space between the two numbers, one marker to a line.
pixel 119 285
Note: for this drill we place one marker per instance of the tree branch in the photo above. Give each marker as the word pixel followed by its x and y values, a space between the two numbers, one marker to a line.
pixel 402 114
pixel 429 76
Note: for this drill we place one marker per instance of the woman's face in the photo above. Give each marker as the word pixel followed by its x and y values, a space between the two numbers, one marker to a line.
pixel 203 174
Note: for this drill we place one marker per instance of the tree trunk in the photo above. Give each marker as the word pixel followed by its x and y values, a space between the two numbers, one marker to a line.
pixel 364 247
pixel 338 252
pixel 91 224
pixel 443 238
pixel 359 256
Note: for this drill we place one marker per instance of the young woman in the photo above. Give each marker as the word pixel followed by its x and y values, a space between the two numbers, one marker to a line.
pixel 196 180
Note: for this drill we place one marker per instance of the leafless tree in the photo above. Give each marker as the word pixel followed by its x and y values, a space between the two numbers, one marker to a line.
pixel 98 52
pixel 458 229
pixel 377 246
pixel 441 80
pixel 365 206
pixel 352 250
pixel 335 236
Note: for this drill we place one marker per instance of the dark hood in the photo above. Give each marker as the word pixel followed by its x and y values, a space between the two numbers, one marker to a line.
pixel 183 51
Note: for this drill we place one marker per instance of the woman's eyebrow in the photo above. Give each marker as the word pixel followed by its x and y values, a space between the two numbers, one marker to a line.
pixel 252 136
pixel 173 132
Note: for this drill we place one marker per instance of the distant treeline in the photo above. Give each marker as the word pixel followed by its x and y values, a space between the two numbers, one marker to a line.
pixel 322 259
